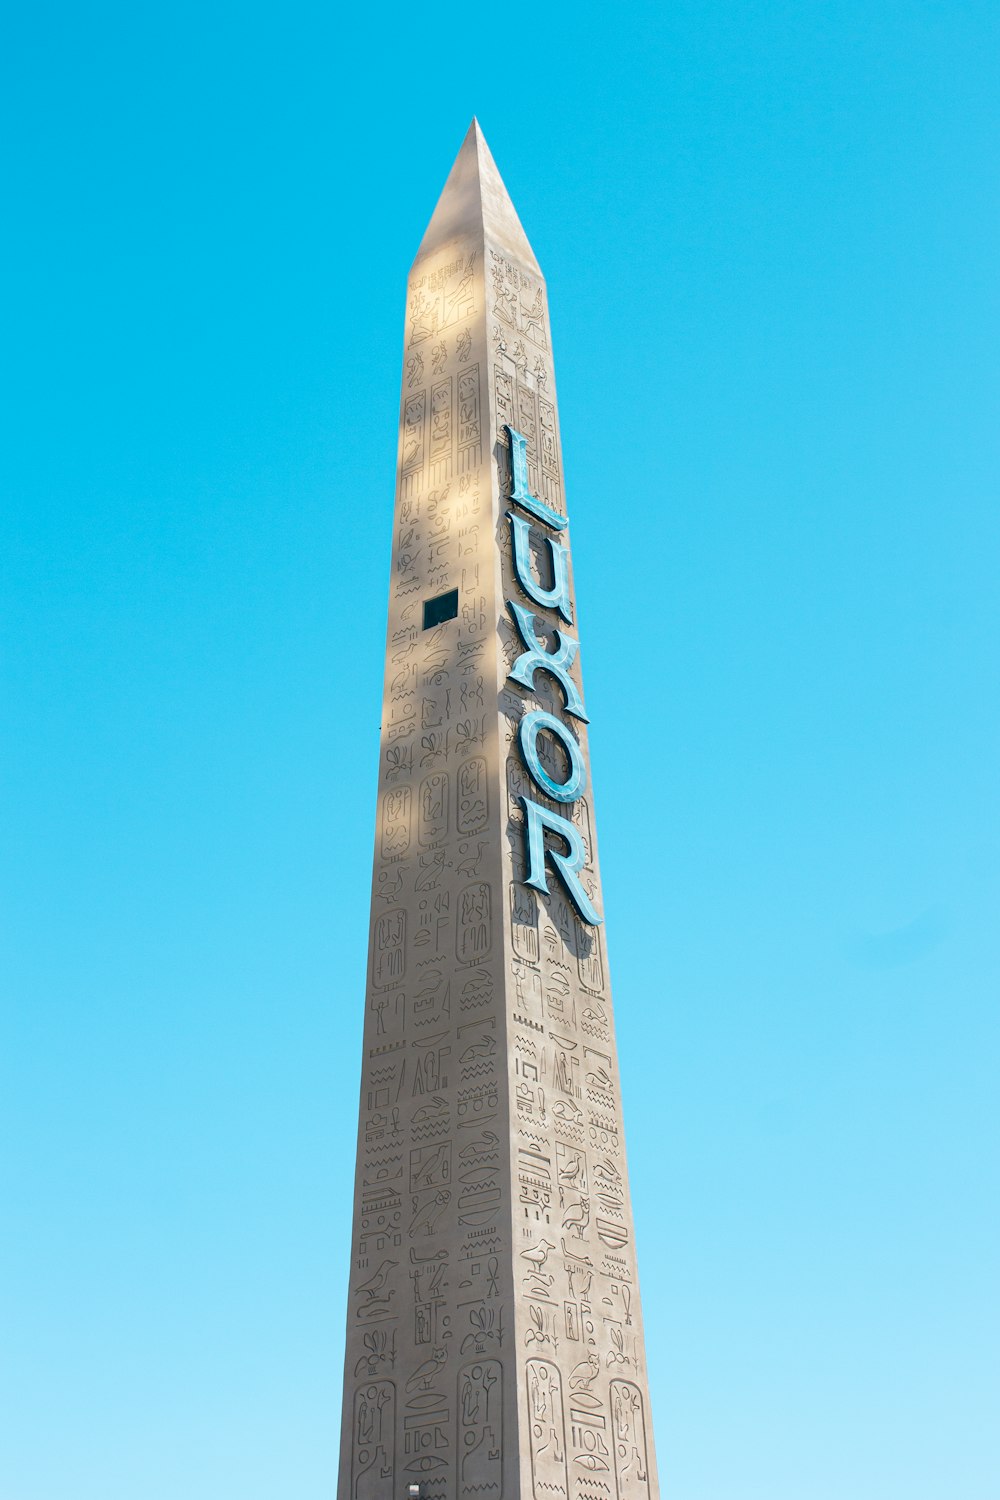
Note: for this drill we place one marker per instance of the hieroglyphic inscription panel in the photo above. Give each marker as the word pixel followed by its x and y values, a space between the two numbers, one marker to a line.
pixel 577 1287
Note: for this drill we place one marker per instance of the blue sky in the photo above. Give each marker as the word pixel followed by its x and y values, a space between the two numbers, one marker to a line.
pixel 769 233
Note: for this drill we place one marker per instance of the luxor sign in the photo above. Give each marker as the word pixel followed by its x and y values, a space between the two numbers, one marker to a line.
pixel 535 658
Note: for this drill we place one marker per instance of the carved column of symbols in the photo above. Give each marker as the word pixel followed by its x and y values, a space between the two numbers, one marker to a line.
pixel 578 1320
pixel 482 1291
pixel 427 1454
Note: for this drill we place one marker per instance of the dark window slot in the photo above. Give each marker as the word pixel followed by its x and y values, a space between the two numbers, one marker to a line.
pixel 444 607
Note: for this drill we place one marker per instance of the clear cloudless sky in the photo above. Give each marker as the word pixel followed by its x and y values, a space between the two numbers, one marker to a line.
pixel 769 232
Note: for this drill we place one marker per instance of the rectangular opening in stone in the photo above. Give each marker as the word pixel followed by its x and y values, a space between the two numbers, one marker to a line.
pixel 444 607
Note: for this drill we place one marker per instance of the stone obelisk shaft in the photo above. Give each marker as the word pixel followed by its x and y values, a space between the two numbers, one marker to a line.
pixel 494 1334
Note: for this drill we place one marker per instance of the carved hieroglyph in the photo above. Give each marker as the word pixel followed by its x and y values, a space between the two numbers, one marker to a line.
pixel 494 1332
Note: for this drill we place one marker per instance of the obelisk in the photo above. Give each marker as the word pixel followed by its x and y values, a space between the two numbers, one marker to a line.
pixel 494 1331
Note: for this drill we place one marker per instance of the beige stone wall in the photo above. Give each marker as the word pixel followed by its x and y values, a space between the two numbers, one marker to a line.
pixel 494 1334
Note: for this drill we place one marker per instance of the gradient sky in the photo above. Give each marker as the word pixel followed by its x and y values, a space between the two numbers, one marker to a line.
pixel 770 238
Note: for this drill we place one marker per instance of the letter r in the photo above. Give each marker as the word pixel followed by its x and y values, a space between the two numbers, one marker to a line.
pixel 566 865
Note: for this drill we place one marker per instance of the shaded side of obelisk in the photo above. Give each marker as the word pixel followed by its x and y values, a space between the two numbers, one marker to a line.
pixel 429 1389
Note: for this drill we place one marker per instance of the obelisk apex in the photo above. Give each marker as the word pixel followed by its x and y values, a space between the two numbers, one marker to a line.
pixel 474 199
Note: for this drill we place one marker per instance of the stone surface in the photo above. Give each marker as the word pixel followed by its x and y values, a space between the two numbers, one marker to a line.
pixel 494 1333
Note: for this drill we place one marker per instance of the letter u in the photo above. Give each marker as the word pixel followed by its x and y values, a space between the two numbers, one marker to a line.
pixel 557 597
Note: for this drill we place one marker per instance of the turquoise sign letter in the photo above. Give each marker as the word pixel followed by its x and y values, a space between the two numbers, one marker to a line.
pixel 536 659
pixel 557 597
pixel 519 484
pixel 528 731
pixel 566 865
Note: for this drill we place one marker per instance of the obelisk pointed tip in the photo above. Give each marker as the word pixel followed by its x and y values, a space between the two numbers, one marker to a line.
pixel 474 201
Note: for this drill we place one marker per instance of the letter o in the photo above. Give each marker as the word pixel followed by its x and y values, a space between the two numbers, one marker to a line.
pixel 528 730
